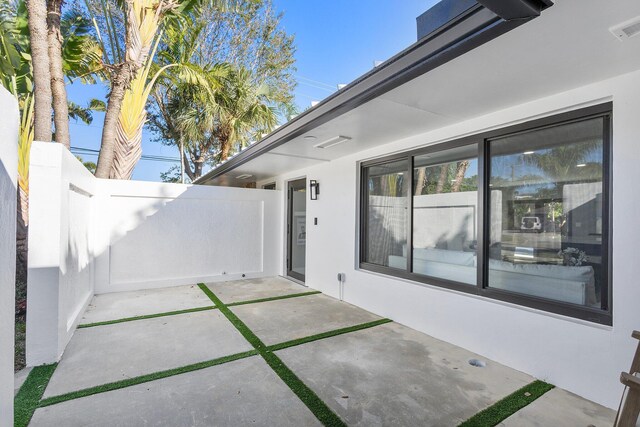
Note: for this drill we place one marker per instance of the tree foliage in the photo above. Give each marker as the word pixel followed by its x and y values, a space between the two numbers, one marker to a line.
pixel 249 62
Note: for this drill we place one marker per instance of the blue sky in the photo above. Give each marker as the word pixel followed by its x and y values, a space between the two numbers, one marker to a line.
pixel 336 41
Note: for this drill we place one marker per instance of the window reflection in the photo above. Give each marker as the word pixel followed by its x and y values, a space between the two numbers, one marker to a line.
pixel 546 213
pixel 387 213
pixel 445 199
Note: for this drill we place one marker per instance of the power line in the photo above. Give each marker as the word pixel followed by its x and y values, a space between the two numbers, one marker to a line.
pixel 155 158
pixel 327 85
pixel 317 86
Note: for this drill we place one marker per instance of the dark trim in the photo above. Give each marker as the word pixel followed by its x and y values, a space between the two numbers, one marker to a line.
pixel 481 288
pixel 477 26
pixel 364 215
pixel 409 223
pixel 482 246
pixel 565 309
pixel 516 9
pixel 440 14
pixel 421 278
pixel 607 199
pixel 581 114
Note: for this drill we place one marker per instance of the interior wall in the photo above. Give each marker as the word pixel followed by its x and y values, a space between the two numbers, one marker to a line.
pixel 8 185
pixel 583 357
pixel 89 236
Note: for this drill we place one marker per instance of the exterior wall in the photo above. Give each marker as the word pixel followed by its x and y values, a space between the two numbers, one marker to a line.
pixel 585 358
pixel 8 181
pixel 170 234
pixel 61 249
pixel 90 236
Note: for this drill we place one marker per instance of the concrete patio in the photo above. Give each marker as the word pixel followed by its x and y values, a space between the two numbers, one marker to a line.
pixel 178 357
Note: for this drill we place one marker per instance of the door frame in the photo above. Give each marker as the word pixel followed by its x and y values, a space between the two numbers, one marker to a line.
pixel 291 185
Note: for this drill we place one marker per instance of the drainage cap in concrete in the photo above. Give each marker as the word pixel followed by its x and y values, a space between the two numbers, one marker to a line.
pixel 477 363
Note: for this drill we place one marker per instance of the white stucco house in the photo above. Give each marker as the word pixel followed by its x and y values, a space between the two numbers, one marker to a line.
pixel 480 186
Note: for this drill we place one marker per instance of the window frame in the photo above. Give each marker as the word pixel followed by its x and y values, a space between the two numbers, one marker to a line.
pixel 603 315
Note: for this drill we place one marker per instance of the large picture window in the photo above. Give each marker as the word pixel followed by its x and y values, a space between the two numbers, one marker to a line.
pixel 520 214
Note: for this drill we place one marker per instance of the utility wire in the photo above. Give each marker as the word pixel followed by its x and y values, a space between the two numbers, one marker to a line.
pixel 327 85
pixel 155 158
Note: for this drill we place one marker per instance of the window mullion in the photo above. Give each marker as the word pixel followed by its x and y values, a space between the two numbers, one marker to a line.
pixel 410 215
pixel 483 214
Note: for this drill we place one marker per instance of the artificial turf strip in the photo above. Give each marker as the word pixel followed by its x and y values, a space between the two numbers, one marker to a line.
pixel 328 334
pixel 320 409
pixel 235 320
pixel 26 401
pixel 305 394
pixel 323 413
pixel 508 406
pixel 144 378
pixel 146 316
pixel 253 301
pixel 193 310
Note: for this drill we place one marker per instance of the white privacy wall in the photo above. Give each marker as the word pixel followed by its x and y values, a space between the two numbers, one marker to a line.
pixel 169 234
pixel 8 175
pixel 60 280
pixel 583 357
pixel 90 236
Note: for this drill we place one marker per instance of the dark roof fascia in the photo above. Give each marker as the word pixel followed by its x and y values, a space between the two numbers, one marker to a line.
pixel 516 9
pixel 476 26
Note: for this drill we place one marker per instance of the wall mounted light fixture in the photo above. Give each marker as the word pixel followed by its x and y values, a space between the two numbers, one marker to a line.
pixel 314 189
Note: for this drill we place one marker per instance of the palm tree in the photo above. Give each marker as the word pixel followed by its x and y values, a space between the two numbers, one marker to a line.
pixel 58 89
pixel 191 117
pixel 17 68
pixel 37 10
pixel 142 23
pixel 560 163
pixel 245 112
pixel 461 170
pixel 185 112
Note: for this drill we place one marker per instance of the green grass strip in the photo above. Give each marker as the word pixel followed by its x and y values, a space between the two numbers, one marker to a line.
pixel 193 310
pixel 144 378
pixel 328 334
pixel 320 409
pixel 146 316
pixel 508 406
pixel 27 399
pixel 253 301
pixel 235 320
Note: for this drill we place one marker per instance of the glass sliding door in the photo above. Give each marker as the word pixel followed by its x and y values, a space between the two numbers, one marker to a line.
pixel 297 229
pixel 520 214
pixel 546 213
pixel 445 214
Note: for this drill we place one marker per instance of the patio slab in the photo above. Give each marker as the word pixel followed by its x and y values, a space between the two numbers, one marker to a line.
pixel 244 392
pixel 560 408
pixel 104 354
pixel 250 289
pixel 283 320
pixel 120 305
pixel 393 375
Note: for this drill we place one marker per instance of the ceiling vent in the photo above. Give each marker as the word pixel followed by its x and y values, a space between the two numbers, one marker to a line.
pixel 627 29
pixel 244 176
pixel 332 141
